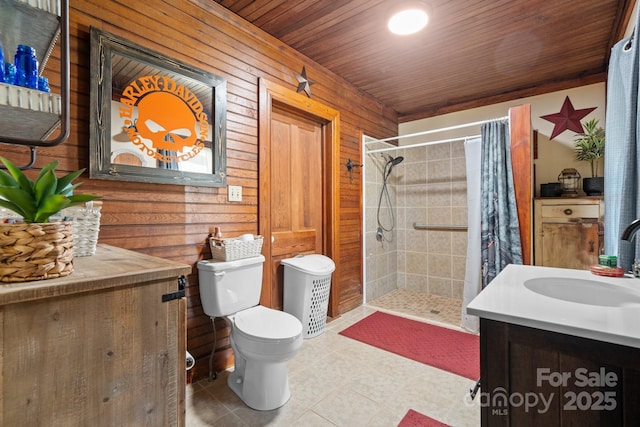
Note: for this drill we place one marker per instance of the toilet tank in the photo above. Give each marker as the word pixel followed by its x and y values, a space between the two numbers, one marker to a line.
pixel 227 287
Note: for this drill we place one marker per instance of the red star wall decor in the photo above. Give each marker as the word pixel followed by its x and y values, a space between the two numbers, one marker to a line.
pixel 567 119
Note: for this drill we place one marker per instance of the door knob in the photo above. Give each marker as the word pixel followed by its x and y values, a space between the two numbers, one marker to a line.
pixel 273 239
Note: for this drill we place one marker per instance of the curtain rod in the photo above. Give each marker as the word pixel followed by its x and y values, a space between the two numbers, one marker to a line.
pixel 422 144
pixel 427 132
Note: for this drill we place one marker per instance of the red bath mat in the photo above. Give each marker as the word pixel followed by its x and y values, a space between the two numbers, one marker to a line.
pixel 416 419
pixel 453 351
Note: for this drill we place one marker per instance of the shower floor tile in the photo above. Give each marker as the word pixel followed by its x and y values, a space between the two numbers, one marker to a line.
pixel 422 305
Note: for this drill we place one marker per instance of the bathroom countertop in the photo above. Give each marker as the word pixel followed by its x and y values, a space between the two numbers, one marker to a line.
pixel 109 267
pixel 507 299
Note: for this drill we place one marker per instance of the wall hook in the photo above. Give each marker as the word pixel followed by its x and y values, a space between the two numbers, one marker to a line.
pixel 32 159
pixel 350 166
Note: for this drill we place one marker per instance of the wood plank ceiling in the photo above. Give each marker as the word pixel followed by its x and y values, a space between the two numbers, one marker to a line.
pixel 472 53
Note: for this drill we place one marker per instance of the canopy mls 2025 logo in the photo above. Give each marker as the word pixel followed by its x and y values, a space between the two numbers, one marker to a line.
pixel 169 115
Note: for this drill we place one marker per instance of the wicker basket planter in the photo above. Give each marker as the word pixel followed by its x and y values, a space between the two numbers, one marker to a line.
pixel 35 251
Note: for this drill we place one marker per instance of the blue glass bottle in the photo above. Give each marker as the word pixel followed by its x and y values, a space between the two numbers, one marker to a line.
pixel 9 73
pixel 43 84
pixel 1 63
pixel 26 64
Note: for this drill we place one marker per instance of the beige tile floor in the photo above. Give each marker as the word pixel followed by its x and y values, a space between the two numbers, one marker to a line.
pixel 337 381
pixel 420 304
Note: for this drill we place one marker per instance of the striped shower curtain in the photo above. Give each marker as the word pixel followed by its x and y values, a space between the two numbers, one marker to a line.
pixel 622 151
pixel 500 230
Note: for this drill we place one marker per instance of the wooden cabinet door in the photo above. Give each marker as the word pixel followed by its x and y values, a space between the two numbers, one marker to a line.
pixel 569 233
pixel 109 358
pixel 595 383
pixel 570 244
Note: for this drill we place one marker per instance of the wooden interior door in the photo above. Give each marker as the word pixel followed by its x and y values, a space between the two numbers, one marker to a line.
pixel 278 101
pixel 296 193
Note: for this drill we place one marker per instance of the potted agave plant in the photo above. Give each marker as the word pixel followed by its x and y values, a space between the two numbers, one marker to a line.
pixel 34 248
pixel 589 147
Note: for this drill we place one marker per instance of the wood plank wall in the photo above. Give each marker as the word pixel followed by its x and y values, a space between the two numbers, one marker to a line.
pixel 173 222
pixel 522 161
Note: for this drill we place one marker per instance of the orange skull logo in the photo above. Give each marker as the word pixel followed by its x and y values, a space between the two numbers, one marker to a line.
pixel 167 121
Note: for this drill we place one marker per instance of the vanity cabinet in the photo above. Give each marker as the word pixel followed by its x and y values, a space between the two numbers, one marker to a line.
pixel 96 348
pixel 558 347
pixel 568 232
pixel 532 377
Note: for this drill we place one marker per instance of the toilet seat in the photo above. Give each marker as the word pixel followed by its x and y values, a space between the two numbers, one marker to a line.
pixel 265 324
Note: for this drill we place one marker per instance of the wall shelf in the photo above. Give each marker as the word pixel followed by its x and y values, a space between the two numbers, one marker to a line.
pixel 35 23
pixel 29 116
pixel 27 111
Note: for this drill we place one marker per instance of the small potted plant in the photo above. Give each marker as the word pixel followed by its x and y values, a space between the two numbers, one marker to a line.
pixel 589 147
pixel 34 248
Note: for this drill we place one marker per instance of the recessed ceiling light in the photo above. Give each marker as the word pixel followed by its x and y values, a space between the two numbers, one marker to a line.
pixel 408 20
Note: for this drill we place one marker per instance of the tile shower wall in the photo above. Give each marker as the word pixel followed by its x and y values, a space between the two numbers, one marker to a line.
pixel 381 256
pixel 428 187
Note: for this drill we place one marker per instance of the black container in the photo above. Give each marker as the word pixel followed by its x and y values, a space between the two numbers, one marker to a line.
pixel 552 189
pixel 593 186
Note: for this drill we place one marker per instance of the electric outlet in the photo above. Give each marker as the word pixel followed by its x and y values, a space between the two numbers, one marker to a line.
pixel 234 193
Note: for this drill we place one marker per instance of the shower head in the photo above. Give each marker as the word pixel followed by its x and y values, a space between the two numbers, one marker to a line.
pixel 396 161
pixel 391 162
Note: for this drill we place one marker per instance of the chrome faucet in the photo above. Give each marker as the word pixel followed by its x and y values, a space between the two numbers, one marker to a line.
pixel 627 235
pixel 631 230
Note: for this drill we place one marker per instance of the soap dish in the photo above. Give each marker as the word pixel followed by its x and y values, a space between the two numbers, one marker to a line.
pixel 601 270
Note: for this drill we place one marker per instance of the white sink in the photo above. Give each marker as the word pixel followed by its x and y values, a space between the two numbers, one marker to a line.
pixel 583 291
pixel 563 300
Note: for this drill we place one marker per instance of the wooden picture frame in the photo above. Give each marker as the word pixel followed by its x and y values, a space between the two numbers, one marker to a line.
pixel 154 119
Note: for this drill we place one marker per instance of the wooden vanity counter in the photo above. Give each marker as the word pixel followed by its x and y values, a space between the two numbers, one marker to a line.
pixel 97 347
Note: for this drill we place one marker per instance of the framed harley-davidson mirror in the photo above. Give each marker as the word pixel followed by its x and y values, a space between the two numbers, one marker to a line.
pixel 154 119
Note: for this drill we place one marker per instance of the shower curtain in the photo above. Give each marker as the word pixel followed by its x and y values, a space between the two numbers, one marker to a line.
pixel 493 233
pixel 500 230
pixel 622 151
pixel 473 271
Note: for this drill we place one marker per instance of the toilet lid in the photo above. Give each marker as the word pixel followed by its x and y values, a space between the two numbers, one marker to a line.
pixel 262 322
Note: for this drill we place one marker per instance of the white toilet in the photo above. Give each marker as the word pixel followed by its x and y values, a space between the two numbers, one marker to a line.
pixel 263 339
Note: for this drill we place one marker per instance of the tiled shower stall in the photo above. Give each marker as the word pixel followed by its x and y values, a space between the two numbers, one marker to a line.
pixel 428 187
